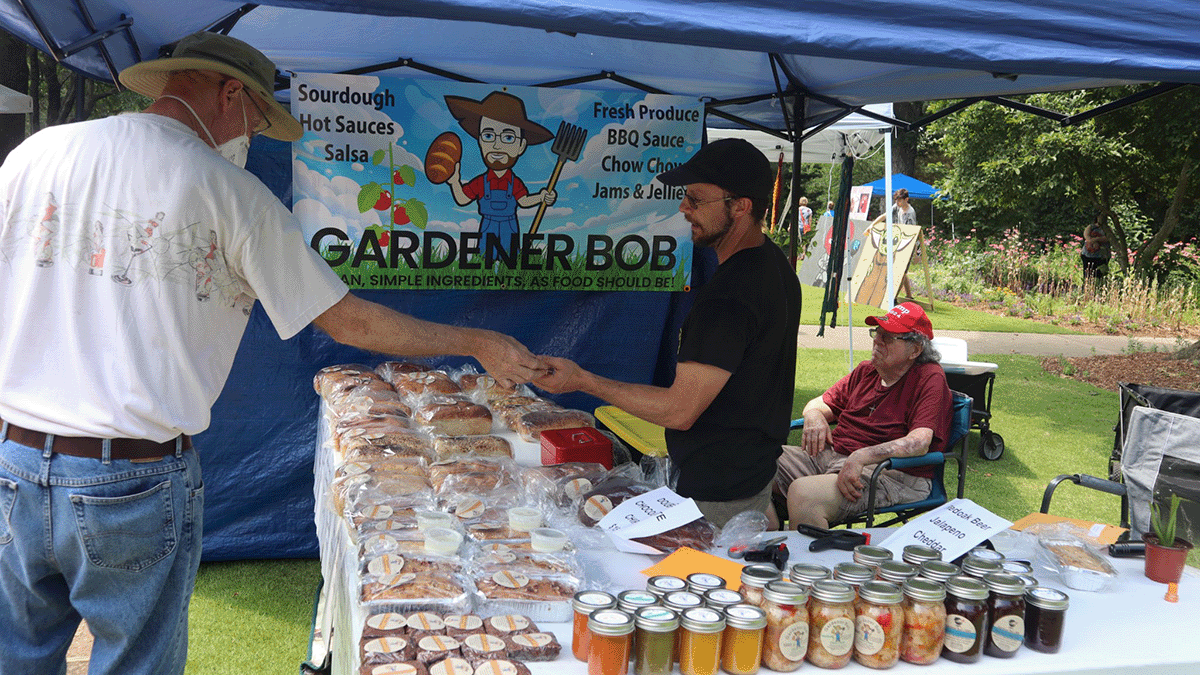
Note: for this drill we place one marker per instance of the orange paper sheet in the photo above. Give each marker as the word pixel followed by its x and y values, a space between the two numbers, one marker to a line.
pixel 687 561
pixel 1103 534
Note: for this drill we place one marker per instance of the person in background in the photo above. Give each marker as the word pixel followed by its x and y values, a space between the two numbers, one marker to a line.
pixel 1095 253
pixel 806 215
pixel 902 211
pixel 727 412
pixel 101 494
pixel 829 209
pixel 895 405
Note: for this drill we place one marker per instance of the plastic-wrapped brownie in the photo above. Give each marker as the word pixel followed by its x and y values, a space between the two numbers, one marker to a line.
pixel 384 624
pixel 505 625
pixel 401 668
pixel 422 624
pixel 461 625
pixel 455 665
pixel 533 647
pixel 389 649
pixel 508 585
pixel 480 647
pixel 566 483
pixel 434 648
pixel 501 667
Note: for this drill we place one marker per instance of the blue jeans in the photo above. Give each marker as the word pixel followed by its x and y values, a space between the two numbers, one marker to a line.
pixel 116 543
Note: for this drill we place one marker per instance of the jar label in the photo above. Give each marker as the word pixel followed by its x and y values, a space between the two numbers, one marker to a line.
pixel 793 641
pixel 597 506
pixel 463 622
pixel 386 621
pixel 960 633
pixel 837 636
pixel 576 488
pixel 1009 632
pixel 868 636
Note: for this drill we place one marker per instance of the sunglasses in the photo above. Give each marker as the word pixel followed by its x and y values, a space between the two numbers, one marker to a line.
pixel 887 337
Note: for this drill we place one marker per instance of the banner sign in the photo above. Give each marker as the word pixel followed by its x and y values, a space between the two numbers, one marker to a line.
pixel 646 515
pixel 413 184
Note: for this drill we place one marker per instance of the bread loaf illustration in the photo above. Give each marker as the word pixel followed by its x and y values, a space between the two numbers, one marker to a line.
pixel 443 154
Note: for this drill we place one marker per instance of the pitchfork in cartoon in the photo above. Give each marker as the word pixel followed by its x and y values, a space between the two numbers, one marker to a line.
pixel 141 241
pixel 504 132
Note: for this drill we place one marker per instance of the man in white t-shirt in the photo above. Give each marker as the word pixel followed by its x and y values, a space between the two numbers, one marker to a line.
pixel 104 376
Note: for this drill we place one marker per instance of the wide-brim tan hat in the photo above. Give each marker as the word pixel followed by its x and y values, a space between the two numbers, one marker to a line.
pixel 225 55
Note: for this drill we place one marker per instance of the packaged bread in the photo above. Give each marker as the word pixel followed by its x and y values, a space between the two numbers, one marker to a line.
pixel 430 381
pixel 390 370
pixel 453 416
pixel 485 445
pixel 531 423
pixel 509 585
pixel 328 377
pixel 359 444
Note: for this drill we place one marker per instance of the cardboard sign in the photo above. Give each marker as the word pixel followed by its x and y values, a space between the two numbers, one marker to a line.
pixel 646 515
pixel 955 528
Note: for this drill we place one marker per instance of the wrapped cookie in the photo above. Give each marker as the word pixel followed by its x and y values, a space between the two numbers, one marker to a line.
pixel 533 647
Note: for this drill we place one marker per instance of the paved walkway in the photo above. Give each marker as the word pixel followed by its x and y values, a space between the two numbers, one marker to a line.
pixel 978 343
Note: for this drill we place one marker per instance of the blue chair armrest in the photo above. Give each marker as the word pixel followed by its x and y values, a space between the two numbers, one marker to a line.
pixel 927 459
pixel 796 424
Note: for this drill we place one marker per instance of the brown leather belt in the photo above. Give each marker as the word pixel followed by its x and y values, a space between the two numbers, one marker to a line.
pixel 78 446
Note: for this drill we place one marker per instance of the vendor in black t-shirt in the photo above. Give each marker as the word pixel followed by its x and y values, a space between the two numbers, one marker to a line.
pixel 727 412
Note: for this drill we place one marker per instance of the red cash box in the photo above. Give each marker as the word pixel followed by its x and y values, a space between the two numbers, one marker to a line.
pixel 584 444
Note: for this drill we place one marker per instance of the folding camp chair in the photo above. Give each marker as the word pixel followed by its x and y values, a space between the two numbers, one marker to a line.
pixel 955 448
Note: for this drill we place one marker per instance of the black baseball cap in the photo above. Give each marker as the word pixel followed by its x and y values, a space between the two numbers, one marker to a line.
pixel 732 164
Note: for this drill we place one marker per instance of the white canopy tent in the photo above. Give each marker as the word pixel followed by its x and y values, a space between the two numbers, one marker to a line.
pixel 12 101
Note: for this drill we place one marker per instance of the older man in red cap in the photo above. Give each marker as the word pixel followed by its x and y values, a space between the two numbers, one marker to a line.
pixel 895 405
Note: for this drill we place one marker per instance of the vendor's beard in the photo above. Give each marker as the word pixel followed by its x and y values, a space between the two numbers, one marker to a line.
pixel 506 163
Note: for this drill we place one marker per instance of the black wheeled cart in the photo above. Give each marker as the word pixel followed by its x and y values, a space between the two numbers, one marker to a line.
pixel 976 379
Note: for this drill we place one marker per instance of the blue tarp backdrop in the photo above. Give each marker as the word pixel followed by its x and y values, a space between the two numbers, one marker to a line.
pixel 738 53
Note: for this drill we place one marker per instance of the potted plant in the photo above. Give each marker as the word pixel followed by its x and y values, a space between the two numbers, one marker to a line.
pixel 1165 561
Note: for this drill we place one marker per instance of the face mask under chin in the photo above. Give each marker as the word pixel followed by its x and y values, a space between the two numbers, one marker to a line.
pixel 235 149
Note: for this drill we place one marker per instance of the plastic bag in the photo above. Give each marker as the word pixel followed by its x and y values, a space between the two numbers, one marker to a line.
pixel 1061 549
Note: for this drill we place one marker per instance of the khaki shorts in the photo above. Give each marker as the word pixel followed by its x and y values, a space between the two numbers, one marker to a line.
pixel 895 487
pixel 719 513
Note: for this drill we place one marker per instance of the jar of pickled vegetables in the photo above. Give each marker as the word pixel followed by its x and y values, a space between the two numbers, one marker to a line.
pixel 700 630
pixel 879 623
pixel 871 556
pixel 754 578
pixel 805 574
pixel 831 624
pixel 896 572
pixel 742 639
pixel 786 640
pixel 915 554
pixel 584 603
pixel 924 621
pixel 854 574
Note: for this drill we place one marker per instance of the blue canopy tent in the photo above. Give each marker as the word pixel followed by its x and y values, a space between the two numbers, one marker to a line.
pixel 916 189
pixel 778 66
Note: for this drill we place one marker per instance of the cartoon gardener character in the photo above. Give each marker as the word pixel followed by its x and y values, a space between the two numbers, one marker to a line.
pixel 503 131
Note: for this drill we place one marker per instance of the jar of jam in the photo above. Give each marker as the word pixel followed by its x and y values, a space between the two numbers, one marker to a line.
pixel 924 621
pixel 966 619
pixel 878 625
pixel 978 567
pixel 786 640
pixel 754 578
pixel 678 602
pixel 632 601
pixel 1006 615
pixel 804 574
pixel 654 640
pixel 720 598
pixel 854 574
pixel 896 572
pixel 700 631
pixel 612 633
pixel 831 624
pixel 1030 581
pixel 1045 609
pixel 937 570
pixel 699 582
pixel 584 603
pixel 742 639
pixel 915 554
pixel 664 583
pixel 871 556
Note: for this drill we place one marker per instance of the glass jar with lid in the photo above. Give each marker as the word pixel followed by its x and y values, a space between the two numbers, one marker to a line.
pixel 1006 615
pixel 986 553
pixel 871 556
pixel 720 598
pixel 831 624
pixel 678 602
pixel 786 640
pixel 938 570
pixel 915 554
pixel 966 619
pixel 853 574
pixel 805 574
pixel 924 621
pixel 978 567
pixel 1017 567
pixel 699 582
pixel 664 583
pixel 583 604
pixel 654 640
pixel 879 623
pixel 633 600
pixel 896 572
pixel 742 639
pixel 1045 610
pixel 612 633
pixel 754 578
pixel 700 630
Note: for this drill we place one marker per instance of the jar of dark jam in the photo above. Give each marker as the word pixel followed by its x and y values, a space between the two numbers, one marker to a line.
pixel 978 567
pixel 1045 609
pixel 966 619
pixel 1006 615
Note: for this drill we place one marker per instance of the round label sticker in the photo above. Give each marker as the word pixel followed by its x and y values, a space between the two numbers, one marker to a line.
pixel 510 579
pixel 868 636
pixel 500 553
pixel 837 636
pixel 497 667
pixel 723 595
pixel 469 507
pixel 482 642
pixel 743 612
pixel 393 580
pixel 385 645
pixel 451 666
pixel 386 621
pixel 438 643
pixel 385 565
pixel 707 580
pixel 576 488
pixel 426 621
pixel 533 639
pixel 354 468
pixel 960 633
pixel 394 669
pixel 509 622
pixel 597 506
pixel 656 613
pixel 793 641
pixel 380 542
pixel 377 512
pixel 1009 632
pixel 668 583
pixel 463 622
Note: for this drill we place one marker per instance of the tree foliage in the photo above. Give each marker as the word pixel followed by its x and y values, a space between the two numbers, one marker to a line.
pixel 1133 170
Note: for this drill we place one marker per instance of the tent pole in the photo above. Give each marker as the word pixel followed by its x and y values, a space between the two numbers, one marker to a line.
pixel 887 206
pixel 794 198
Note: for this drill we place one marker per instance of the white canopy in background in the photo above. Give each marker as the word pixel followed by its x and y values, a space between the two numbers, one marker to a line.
pixel 853 135
pixel 12 101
